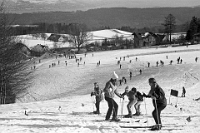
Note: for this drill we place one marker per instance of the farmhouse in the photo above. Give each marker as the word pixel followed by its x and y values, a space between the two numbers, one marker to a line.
pixel 197 37
pixel 147 39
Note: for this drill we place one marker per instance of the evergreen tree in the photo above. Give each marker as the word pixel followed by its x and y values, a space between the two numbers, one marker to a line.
pixel 169 24
pixel 194 28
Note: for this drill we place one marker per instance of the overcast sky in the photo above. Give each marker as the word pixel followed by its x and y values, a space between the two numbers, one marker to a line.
pixel 130 3
pixel 73 5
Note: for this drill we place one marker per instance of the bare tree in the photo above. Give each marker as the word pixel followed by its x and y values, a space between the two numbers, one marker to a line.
pixel 78 35
pixel 44 36
pixel 13 70
pixel 169 24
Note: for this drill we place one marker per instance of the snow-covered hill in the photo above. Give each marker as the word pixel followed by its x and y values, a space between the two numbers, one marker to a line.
pixel 59 99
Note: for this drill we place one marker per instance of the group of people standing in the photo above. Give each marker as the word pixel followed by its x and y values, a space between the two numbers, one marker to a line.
pixel 135 98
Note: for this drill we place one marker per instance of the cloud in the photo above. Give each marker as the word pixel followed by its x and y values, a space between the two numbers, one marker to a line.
pixel 73 5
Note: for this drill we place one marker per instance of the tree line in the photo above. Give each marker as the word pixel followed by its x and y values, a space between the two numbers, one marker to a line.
pixel 14 73
pixel 63 28
pixel 194 28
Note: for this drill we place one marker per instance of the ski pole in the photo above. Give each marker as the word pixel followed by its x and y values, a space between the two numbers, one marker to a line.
pixel 122 108
pixel 157 112
pixel 93 102
pixel 114 111
pixel 146 111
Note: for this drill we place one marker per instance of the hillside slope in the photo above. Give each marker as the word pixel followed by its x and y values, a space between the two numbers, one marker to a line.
pixel 71 86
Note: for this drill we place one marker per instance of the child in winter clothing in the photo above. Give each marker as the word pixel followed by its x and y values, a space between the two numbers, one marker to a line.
pixel 139 99
pixel 99 97
pixel 132 99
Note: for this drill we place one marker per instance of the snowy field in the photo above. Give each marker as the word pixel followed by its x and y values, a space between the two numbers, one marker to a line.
pixel 59 99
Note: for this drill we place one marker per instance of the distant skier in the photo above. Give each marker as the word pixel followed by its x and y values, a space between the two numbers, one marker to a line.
pixel 120 66
pixel 196 59
pixel 148 64
pixel 178 59
pixel 132 100
pixel 124 80
pixel 183 92
pixel 99 97
pixel 171 62
pixel 157 63
pixel 120 82
pixel 181 61
pixel 130 74
pixel 109 91
pixel 140 71
pixel 162 63
pixel 136 59
pixel 159 102
pixel 118 62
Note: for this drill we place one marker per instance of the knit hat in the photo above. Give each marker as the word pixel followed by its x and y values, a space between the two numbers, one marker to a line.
pixel 134 89
pixel 115 75
pixel 152 80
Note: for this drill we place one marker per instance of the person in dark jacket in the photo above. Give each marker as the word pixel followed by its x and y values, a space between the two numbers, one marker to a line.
pixel 159 102
pixel 183 92
pixel 132 100
pixel 99 97
pixel 139 99
pixel 109 91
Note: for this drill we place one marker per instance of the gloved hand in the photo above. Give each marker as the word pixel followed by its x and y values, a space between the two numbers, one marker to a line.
pixel 121 96
pixel 144 95
pixel 92 93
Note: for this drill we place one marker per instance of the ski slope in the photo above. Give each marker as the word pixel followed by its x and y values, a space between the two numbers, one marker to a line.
pixel 59 99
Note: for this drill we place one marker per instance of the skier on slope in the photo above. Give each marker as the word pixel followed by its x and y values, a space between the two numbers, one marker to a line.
pixel 183 92
pixel 159 102
pixel 99 97
pixel 132 100
pixel 109 91
pixel 139 99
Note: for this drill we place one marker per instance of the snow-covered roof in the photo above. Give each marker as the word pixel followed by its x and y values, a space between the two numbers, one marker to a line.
pixel 109 33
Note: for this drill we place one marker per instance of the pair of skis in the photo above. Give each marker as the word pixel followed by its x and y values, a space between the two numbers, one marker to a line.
pixel 136 126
